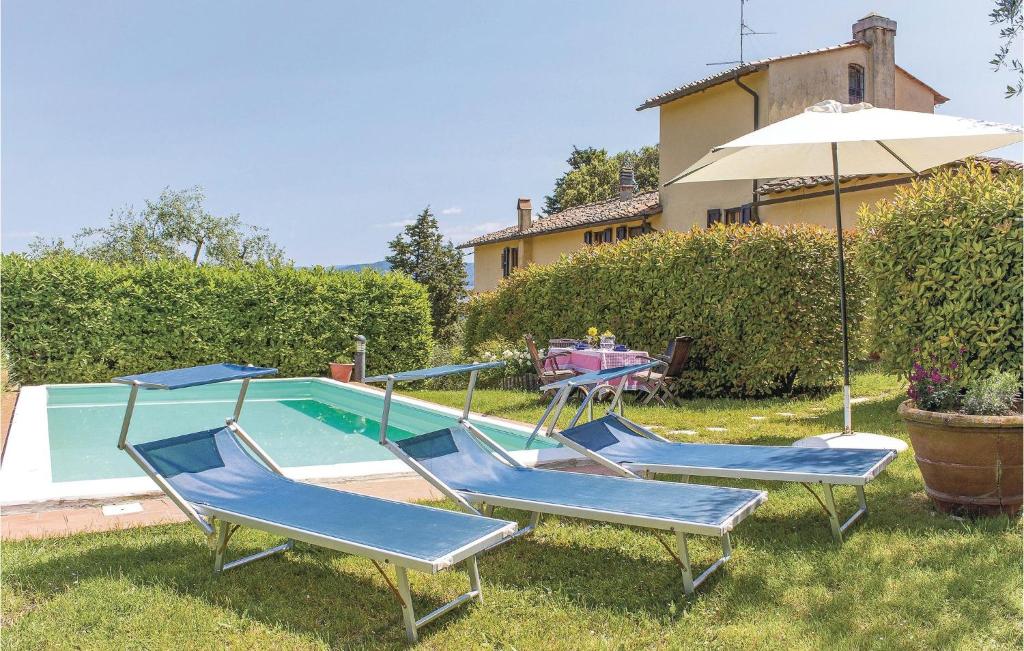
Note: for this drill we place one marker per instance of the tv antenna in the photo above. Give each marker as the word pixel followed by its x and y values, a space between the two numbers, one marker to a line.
pixel 745 31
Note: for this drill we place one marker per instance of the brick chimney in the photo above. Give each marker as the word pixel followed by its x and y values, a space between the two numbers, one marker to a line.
pixel 879 33
pixel 525 210
pixel 627 182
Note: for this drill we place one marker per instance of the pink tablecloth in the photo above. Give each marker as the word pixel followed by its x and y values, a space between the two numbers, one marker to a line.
pixel 594 359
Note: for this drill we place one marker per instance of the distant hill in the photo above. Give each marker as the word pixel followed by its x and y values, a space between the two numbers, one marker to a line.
pixel 382 266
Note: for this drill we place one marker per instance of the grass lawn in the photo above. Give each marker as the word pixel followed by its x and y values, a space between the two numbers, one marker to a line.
pixel 907 577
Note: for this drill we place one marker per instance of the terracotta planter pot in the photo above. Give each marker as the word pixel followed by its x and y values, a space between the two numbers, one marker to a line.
pixel 970 464
pixel 341 372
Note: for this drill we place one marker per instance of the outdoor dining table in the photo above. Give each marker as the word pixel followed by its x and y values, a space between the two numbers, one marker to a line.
pixel 598 359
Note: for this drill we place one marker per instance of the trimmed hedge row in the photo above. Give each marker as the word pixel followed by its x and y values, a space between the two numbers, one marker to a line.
pixel 69 319
pixel 944 260
pixel 761 303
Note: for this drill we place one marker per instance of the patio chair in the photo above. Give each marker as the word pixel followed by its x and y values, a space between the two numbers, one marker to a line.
pixel 540 364
pixel 627 448
pixel 663 385
pixel 220 487
pixel 477 473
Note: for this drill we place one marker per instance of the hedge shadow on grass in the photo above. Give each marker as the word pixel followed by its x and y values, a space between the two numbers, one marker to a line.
pixel 299 590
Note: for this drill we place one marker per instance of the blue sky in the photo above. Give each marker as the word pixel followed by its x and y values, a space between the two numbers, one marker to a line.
pixel 332 123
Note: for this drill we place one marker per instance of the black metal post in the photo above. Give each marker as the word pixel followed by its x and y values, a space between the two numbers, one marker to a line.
pixel 847 420
pixel 359 359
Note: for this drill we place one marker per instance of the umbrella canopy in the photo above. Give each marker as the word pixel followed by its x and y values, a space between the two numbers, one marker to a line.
pixel 837 139
pixel 868 140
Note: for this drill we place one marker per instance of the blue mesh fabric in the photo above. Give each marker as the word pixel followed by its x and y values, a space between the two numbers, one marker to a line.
pixel 211 468
pixel 613 440
pixel 457 459
pixel 179 378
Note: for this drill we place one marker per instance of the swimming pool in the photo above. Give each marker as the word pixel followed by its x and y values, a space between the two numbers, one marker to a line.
pixel 62 443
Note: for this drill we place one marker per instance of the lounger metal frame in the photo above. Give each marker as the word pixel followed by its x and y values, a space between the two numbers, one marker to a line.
pixel 219 525
pixel 484 503
pixel 826 500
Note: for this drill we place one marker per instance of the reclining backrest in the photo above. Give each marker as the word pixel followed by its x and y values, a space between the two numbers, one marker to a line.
pixel 609 438
pixel 454 456
pixel 203 465
pixel 678 356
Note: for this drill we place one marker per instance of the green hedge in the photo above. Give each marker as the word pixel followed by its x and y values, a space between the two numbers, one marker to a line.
pixel 761 303
pixel 68 319
pixel 943 259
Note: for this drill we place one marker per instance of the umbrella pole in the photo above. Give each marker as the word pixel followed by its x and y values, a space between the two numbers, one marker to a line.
pixel 847 415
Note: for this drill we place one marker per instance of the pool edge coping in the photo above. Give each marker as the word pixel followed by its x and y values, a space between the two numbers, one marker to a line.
pixel 26 478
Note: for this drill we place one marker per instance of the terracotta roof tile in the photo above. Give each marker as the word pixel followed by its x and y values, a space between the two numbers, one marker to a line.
pixel 643 204
pixel 791 183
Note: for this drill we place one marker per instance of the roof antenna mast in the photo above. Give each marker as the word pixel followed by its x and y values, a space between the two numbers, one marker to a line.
pixel 745 31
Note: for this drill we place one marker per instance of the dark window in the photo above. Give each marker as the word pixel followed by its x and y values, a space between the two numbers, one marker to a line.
pixel 745 213
pixel 620 233
pixel 588 238
pixel 606 235
pixel 856 74
pixel 509 260
pixel 732 215
pixel 714 216
pixel 647 228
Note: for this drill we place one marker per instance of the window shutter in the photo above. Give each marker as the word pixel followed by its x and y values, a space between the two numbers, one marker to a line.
pixel 606 235
pixel 856 75
pixel 745 214
pixel 620 233
pixel 588 238
pixel 514 260
pixel 504 262
pixel 714 216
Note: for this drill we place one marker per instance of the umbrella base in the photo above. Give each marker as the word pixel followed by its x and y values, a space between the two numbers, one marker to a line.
pixel 858 440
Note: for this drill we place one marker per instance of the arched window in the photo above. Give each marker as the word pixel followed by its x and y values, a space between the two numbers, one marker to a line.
pixel 856 83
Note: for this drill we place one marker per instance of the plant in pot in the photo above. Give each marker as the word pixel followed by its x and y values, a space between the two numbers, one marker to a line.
pixel 341 368
pixel 968 437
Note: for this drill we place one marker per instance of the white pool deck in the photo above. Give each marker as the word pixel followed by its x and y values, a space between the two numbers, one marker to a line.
pixel 25 476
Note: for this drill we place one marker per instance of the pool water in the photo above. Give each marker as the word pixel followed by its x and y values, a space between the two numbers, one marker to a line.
pixel 305 422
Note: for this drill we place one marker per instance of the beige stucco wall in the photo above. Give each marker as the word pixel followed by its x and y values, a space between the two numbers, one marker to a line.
pixel 540 249
pixel 912 95
pixel 487 265
pixel 794 84
pixel 690 127
pixel 821 210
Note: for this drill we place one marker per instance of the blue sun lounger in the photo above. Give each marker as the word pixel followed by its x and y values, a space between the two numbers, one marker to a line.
pixel 221 486
pixel 625 447
pixel 472 469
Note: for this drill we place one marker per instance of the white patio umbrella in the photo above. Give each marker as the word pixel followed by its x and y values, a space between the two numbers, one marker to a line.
pixel 831 138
